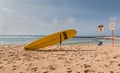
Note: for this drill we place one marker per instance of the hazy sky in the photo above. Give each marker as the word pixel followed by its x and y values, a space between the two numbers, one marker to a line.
pixel 42 17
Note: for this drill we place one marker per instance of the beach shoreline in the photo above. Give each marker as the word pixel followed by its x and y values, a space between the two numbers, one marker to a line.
pixel 76 58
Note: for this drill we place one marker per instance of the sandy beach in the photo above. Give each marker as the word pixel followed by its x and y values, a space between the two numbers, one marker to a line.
pixel 77 58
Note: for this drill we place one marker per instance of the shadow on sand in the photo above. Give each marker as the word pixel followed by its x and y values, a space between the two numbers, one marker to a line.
pixel 61 50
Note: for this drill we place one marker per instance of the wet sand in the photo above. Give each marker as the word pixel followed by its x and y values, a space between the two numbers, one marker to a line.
pixel 79 58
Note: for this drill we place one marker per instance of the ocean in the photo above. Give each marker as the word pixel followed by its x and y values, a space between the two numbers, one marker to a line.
pixel 25 39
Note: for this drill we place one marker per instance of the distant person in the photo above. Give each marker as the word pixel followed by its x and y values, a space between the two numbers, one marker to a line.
pixel 100 43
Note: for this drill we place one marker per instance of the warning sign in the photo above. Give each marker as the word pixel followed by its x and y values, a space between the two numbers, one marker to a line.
pixel 100 28
pixel 112 26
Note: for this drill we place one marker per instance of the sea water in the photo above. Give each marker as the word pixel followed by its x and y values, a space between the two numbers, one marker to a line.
pixel 25 39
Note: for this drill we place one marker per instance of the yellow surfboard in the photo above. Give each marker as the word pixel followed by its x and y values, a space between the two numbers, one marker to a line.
pixel 51 39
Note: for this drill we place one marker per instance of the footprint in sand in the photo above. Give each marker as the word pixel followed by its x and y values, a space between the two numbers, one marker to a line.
pixel 111 72
pixel 89 71
pixel 34 69
pixel 14 67
pixel 1 67
pixel 52 67
pixel 86 66
pixel 69 70
pixel 46 72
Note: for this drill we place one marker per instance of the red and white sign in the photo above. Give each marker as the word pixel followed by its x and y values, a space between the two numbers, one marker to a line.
pixel 112 26
pixel 100 28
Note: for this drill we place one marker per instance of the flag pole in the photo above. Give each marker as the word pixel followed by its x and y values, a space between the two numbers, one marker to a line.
pixel 113 38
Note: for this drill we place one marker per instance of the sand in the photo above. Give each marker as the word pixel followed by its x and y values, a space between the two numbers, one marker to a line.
pixel 79 58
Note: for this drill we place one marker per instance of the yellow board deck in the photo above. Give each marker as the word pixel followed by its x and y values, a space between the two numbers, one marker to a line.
pixel 51 39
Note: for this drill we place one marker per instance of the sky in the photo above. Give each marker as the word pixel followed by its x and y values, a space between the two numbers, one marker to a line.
pixel 43 17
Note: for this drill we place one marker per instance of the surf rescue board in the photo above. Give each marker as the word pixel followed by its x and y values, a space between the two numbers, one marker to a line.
pixel 51 39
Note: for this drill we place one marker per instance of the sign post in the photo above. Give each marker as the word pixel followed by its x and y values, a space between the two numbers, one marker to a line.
pixel 100 29
pixel 112 28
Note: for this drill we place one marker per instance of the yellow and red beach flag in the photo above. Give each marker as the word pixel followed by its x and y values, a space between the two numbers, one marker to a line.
pixel 101 28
